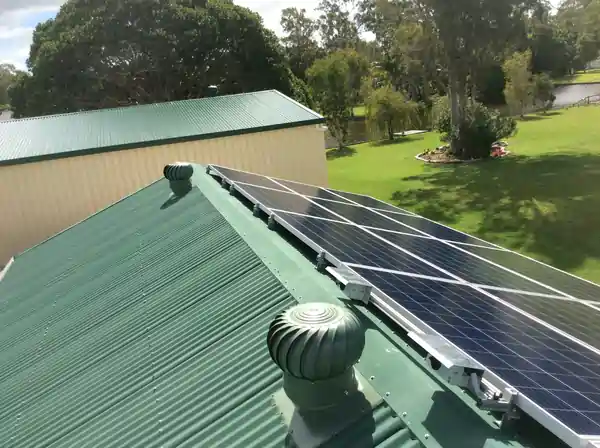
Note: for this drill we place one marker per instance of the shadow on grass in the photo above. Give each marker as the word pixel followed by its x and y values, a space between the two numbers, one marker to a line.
pixel 336 153
pixel 548 205
pixel 399 140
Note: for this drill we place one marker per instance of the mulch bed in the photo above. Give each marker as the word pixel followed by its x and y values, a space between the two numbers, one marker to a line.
pixel 442 155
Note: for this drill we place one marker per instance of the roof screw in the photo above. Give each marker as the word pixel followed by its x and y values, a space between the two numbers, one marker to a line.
pixel 404 414
pixel 426 436
pixel 387 394
pixel 371 377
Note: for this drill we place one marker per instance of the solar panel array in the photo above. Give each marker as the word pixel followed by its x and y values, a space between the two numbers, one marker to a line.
pixel 534 327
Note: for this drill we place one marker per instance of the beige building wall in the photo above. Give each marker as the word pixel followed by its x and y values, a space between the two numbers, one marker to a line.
pixel 38 200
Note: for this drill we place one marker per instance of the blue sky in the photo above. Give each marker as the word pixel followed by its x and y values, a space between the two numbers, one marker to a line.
pixel 18 18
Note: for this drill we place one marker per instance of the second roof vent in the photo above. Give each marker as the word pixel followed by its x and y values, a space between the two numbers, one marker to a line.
pixel 316 345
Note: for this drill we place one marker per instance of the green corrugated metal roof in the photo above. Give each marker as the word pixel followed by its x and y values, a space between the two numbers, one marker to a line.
pixel 145 325
pixel 53 136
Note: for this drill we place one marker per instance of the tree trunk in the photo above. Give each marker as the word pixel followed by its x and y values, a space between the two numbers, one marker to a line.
pixel 455 94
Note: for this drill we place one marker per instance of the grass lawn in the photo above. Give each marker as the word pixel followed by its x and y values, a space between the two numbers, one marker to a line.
pixel 359 111
pixel 543 201
pixel 592 75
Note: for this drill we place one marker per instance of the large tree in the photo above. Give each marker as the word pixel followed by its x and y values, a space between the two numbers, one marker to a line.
pixel 8 75
pixel 331 81
pixel 106 53
pixel 299 40
pixel 337 28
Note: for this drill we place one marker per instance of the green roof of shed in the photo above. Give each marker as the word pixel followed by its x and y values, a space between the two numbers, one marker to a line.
pixel 65 135
pixel 145 325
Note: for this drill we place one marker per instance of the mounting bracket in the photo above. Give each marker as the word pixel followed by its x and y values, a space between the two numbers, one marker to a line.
pixel 352 285
pixel 322 261
pixel 256 210
pixel 232 190
pixel 272 223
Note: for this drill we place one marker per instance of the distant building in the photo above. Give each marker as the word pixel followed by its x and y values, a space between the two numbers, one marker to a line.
pixel 57 170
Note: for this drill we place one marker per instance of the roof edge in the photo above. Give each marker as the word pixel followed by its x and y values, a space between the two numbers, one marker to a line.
pixel 170 141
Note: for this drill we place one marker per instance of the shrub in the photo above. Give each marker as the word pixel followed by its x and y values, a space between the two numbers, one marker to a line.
pixel 480 128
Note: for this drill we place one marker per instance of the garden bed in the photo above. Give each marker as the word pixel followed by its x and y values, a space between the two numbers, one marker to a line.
pixel 442 154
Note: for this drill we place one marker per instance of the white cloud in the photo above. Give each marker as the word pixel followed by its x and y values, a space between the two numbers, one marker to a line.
pixel 17 22
pixel 270 10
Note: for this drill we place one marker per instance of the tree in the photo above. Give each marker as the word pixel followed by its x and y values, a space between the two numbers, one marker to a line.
pixel 543 90
pixel 389 111
pixel 330 80
pixel 337 29
pixel 519 86
pixel 8 74
pixel 301 47
pixel 112 53
pixel 470 31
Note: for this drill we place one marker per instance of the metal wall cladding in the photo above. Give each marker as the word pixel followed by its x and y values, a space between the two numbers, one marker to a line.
pixel 136 125
pixel 42 198
pixel 145 326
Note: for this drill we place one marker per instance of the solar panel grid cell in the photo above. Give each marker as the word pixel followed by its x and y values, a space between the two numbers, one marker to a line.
pixel 529 356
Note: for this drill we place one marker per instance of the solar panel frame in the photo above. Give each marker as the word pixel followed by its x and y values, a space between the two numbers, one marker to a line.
pixel 411 323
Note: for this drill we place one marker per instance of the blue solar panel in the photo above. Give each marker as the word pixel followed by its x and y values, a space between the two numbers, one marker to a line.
pixel 368 201
pixel 364 217
pixel 312 191
pixel 436 230
pixel 248 178
pixel 555 278
pixel 280 200
pixel 547 368
pixel 462 264
pixel 350 244
pixel 577 319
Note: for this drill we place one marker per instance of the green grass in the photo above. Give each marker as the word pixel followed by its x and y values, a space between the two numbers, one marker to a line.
pixel 581 77
pixel 359 111
pixel 543 201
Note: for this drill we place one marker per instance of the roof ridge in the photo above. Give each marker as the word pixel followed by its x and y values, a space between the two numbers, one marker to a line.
pixel 137 106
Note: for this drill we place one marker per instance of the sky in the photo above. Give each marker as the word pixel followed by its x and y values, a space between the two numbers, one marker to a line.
pixel 18 18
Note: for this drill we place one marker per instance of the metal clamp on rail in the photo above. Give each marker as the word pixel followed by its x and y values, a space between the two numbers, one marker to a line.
pixel 462 371
pixel 352 285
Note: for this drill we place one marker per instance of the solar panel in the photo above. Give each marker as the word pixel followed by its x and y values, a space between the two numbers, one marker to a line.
pixel 368 201
pixel 554 278
pixel 527 323
pixel 459 262
pixel 249 178
pixel 436 230
pixel 309 190
pixel 542 365
pixel 576 318
pixel 349 244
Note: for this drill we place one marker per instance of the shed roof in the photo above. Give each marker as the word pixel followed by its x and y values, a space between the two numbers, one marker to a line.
pixel 66 135
pixel 145 325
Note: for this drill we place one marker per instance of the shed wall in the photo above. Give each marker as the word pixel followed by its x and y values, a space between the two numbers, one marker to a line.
pixel 40 199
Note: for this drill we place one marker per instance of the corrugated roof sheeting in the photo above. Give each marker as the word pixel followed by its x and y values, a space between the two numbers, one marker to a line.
pixel 145 326
pixel 67 134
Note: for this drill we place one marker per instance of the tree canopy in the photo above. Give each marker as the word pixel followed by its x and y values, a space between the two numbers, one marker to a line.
pixel 107 53
pixel 8 75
